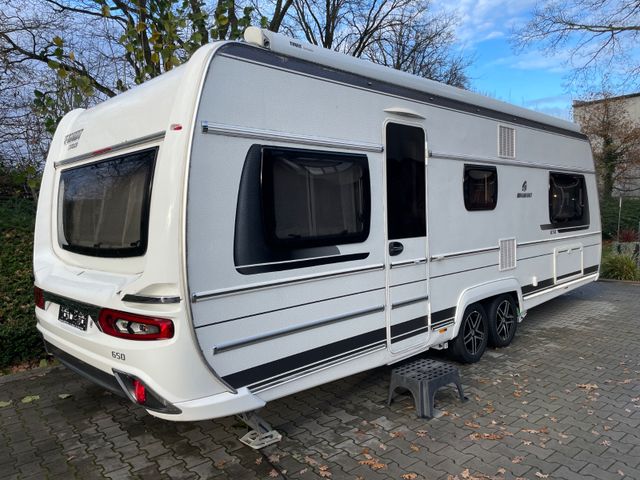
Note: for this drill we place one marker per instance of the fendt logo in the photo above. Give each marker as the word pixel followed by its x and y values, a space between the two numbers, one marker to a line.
pixel 524 193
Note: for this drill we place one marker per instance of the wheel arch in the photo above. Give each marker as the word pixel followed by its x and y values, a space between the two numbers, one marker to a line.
pixel 484 292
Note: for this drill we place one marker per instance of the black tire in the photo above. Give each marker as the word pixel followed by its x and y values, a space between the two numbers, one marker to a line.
pixel 473 335
pixel 503 321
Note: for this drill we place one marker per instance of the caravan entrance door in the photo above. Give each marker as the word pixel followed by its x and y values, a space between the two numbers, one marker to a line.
pixel 406 258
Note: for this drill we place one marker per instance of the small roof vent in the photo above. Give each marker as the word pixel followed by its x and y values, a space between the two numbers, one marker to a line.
pixel 506 142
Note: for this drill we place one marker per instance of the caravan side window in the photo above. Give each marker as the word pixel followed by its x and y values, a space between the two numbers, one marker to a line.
pixel 480 187
pixel 314 198
pixel 568 206
pixel 296 206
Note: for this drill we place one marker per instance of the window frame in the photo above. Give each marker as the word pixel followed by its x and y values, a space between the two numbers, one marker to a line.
pixel 466 188
pixel 127 252
pixel 584 219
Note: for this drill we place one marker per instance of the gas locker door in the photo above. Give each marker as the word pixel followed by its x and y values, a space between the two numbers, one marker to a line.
pixel 406 259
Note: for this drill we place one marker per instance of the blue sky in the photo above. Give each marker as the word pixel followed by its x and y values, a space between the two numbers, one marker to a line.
pixel 529 79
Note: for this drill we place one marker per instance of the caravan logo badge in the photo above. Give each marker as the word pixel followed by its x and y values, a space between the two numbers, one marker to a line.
pixel 524 193
pixel 71 140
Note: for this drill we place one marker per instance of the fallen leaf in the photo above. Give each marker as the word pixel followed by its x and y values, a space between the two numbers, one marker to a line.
pixel 310 460
pixel 517 459
pixel 621 473
pixel 64 395
pixel 517 393
pixel 502 471
pixel 382 446
pixel 606 443
pixel 5 404
pixel 258 460
pixel 409 476
pixel 471 424
pixel 397 434
pixel 414 447
pixel 324 472
pixel 220 463
pixel 421 433
pixel 274 458
pixel 526 442
pixel 274 473
pixel 542 475
pixel 486 436
pixel 304 470
pixel 587 386
pixel 30 398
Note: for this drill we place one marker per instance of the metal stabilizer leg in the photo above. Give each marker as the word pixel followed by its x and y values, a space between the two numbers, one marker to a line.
pixel 261 433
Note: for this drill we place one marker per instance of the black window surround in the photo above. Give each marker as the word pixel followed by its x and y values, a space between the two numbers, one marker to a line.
pixel 312 191
pixel 480 187
pixel 568 201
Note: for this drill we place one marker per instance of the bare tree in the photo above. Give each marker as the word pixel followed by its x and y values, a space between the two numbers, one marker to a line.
pixel 599 36
pixel 615 141
pixel 423 45
pixel 402 34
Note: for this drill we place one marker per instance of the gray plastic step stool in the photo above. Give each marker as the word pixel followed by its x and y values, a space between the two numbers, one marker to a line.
pixel 423 378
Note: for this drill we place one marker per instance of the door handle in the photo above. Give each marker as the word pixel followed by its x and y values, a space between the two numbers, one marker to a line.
pixel 395 248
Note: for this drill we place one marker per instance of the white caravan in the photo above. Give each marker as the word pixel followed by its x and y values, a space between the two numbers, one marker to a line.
pixel 272 216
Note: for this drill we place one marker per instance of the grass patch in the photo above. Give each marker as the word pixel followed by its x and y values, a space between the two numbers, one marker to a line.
pixel 19 339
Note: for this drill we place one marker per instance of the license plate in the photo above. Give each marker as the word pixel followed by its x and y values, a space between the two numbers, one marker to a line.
pixel 74 317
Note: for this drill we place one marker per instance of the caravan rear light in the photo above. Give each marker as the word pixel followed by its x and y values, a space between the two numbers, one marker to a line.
pixel 134 327
pixel 38 297
pixel 139 392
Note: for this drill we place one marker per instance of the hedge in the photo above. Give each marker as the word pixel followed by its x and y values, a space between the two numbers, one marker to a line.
pixel 629 217
pixel 19 339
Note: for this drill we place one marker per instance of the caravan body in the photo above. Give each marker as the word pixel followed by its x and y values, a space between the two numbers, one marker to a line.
pixel 272 216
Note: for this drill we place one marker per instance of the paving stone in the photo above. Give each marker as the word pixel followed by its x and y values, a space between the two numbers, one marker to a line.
pixel 560 345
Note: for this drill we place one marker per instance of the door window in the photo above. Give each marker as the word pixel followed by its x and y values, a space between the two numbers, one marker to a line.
pixel 406 217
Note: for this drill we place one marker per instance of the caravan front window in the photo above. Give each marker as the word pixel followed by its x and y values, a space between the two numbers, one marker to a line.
pixel 103 207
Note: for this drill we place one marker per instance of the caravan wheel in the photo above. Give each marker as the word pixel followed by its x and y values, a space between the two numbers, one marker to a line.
pixel 503 321
pixel 471 341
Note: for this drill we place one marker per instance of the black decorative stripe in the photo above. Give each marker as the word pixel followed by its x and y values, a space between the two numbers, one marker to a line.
pixel 281 366
pixel 267 57
pixel 444 323
pixel 548 283
pixel 570 274
pixel 409 335
pixel 280 378
pixel 408 326
pixel 303 263
pixel 445 314
pixel 573 228
pixel 527 289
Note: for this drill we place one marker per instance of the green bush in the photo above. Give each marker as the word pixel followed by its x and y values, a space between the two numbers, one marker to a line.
pixel 19 339
pixel 619 267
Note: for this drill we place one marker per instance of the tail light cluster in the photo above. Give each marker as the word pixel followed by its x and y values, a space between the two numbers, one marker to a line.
pixel 123 324
pixel 38 297
pixel 133 326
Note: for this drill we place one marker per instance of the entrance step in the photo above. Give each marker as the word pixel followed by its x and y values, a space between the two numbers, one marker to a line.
pixel 423 378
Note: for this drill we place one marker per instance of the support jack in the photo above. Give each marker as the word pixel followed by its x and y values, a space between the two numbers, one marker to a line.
pixel 261 433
